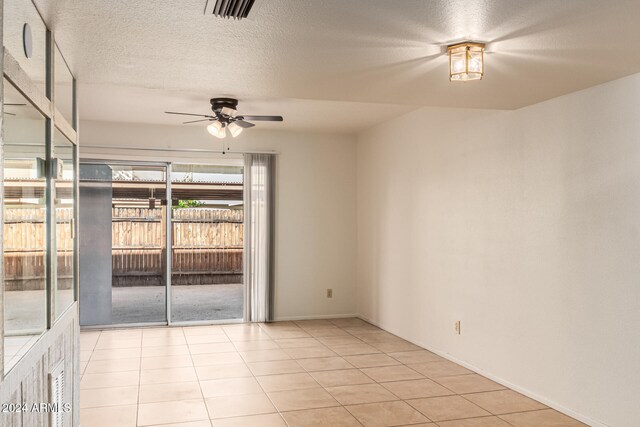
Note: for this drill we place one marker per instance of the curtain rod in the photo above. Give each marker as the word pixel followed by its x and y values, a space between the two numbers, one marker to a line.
pixel 177 150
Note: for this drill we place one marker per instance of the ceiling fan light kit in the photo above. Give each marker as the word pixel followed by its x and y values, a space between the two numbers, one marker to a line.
pixel 225 117
pixel 217 129
pixel 234 129
pixel 466 61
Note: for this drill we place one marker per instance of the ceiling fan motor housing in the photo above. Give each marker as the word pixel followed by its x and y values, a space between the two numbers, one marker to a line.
pixel 218 104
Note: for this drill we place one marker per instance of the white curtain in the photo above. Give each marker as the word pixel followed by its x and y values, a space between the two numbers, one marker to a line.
pixel 259 173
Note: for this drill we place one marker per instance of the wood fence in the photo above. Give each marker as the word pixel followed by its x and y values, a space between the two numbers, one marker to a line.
pixel 207 247
pixel 24 248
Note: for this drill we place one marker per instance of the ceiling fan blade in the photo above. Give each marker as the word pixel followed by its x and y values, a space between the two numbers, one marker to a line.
pixel 9 114
pixel 262 118
pixel 188 114
pixel 244 124
pixel 16 105
pixel 196 121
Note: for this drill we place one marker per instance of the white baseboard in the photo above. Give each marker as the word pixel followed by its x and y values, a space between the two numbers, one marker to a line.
pixel 528 393
pixel 318 316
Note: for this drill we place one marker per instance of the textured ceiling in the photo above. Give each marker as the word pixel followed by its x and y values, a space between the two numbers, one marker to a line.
pixel 126 104
pixel 329 59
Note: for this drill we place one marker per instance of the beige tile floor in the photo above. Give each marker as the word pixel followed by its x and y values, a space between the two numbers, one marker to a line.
pixel 339 372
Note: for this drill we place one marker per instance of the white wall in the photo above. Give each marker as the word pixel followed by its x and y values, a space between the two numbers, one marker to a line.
pixel 524 225
pixel 315 202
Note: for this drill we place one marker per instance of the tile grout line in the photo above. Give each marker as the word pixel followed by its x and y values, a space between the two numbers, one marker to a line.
pixel 455 394
pixel 399 399
pixel 139 380
pixel 267 394
pixel 324 388
pixel 90 356
pixel 255 377
pixel 316 339
pixel 327 391
pixel 193 365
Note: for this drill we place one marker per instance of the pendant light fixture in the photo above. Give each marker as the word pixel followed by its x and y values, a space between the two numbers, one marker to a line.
pixel 466 61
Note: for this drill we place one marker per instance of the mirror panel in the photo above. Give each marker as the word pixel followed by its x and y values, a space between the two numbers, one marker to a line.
pixel 64 153
pixel 25 209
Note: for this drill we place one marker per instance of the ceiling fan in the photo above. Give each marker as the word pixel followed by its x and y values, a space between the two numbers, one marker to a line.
pixel 225 117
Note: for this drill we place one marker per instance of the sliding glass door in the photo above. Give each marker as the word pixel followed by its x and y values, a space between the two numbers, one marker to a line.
pixel 125 266
pixel 161 243
pixel 207 236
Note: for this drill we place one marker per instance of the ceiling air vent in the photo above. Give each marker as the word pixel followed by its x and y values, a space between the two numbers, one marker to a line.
pixel 236 9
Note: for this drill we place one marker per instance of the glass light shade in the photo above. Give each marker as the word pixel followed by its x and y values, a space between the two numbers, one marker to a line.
pixel 222 133
pixel 229 111
pixel 466 62
pixel 215 128
pixel 235 129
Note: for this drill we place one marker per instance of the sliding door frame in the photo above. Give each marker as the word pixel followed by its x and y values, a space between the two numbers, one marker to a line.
pixel 168 253
pixel 205 322
pixel 167 169
pixel 168 221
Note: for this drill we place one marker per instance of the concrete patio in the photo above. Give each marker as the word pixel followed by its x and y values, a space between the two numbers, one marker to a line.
pixel 137 304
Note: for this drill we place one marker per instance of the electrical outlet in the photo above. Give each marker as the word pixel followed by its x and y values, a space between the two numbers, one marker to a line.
pixel 456 327
pixel 329 293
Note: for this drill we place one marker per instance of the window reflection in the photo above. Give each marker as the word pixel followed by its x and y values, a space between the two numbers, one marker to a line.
pixel 24 225
pixel 64 153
